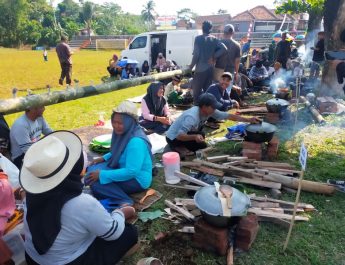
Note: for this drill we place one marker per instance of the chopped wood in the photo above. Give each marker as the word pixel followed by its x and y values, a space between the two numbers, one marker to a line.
pixel 265 204
pixel 238 158
pixel 276 193
pixel 217 158
pixel 252 110
pixel 207 170
pixel 264 213
pixel 190 179
pixel 274 164
pixel 282 203
pixel 183 187
pixel 288 190
pixel 185 213
pixel 255 182
pixel 230 256
pixel 184 201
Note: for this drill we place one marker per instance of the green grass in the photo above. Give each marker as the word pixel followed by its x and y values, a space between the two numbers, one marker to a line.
pixel 321 241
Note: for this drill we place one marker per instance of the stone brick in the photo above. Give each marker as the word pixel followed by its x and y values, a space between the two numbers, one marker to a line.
pixel 251 145
pixel 246 232
pixel 252 154
pixel 272 117
pixel 211 238
pixel 272 148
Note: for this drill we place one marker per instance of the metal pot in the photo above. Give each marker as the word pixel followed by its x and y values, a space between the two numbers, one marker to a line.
pixel 207 201
pixel 277 105
pixel 259 133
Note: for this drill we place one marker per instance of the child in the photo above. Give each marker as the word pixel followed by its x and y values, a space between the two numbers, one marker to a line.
pixel 45 55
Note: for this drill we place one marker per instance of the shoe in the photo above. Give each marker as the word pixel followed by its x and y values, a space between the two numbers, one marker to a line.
pixel 60 82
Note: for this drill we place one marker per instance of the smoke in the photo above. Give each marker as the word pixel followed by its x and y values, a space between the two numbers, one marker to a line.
pixel 281 79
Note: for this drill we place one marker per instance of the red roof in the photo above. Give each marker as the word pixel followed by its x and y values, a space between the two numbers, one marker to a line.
pixel 260 13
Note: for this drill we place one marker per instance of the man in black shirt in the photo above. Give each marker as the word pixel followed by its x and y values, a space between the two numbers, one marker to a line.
pixel 319 56
pixel 283 51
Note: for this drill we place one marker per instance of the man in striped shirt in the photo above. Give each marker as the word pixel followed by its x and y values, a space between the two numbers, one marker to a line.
pixel 26 130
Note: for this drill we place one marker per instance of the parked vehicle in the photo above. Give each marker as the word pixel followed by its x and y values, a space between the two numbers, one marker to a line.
pixel 176 45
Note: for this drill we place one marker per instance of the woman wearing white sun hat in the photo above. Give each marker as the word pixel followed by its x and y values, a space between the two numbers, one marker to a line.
pixel 63 225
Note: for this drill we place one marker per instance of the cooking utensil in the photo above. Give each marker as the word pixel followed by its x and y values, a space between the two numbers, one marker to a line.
pixel 259 133
pixel 207 201
pixel 149 192
pixel 277 105
pixel 227 192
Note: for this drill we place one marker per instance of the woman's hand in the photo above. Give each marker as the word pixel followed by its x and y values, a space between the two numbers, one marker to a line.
pixel 128 212
pixel 164 120
pixel 97 161
pixel 92 177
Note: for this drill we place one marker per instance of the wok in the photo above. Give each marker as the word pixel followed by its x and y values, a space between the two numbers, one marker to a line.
pixel 207 201
pixel 259 133
pixel 277 105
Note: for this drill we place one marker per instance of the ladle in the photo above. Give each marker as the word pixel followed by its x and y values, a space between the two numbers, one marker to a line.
pixel 149 192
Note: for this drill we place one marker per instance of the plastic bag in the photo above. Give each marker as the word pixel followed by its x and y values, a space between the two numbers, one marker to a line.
pixel 11 170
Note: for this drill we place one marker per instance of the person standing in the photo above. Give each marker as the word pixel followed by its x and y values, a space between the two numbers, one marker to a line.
pixel 207 49
pixel 229 61
pixel 271 51
pixel 45 55
pixel 64 53
pixel 25 131
pixel 283 51
pixel 318 56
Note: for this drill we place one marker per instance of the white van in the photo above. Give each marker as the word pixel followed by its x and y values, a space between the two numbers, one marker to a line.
pixel 176 45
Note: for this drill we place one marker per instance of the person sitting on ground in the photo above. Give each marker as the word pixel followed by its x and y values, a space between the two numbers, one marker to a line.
pixel 219 91
pixel 7 201
pixel 4 137
pixel 26 130
pixel 160 63
pixel 258 74
pixel 127 168
pixel 169 66
pixel 128 72
pixel 113 69
pixel 145 68
pixel 155 110
pixel 173 86
pixel 62 225
pixel 185 135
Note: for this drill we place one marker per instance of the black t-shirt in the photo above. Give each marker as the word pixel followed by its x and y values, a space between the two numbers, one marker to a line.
pixel 319 55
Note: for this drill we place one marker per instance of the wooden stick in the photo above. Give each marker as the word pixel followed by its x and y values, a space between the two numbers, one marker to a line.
pixel 182 211
pixel 260 212
pixel 266 199
pixel 184 187
pixel 185 201
pixel 217 158
pixel 207 170
pixel 294 211
pixel 190 179
pixel 277 221
pixel 255 182
pixel 230 256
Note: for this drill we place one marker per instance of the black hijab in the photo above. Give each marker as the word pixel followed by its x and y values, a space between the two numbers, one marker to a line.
pixel 145 67
pixel 154 103
pixel 44 209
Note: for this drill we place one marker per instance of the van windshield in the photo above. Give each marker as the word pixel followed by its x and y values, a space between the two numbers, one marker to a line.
pixel 138 43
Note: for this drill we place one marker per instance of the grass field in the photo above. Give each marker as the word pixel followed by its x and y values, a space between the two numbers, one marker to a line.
pixel 321 241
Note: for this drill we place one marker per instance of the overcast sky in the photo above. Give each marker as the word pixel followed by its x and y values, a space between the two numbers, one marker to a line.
pixel 201 7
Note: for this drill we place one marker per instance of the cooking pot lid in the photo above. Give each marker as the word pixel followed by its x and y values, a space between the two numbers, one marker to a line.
pixel 263 127
pixel 206 199
pixel 277 101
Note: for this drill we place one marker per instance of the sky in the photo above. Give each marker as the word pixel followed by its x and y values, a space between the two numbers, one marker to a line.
pixel 201 7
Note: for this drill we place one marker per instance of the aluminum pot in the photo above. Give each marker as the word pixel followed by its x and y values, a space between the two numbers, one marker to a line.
pixel 207 201
pixel 277 105
pixel 260 133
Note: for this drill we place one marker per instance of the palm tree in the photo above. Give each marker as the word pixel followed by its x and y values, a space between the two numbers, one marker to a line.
pixel 148 12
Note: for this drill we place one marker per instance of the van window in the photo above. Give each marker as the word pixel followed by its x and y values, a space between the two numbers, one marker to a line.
pixel 138 43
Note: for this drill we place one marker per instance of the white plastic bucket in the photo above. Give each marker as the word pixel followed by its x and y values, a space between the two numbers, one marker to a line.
pixel 171 162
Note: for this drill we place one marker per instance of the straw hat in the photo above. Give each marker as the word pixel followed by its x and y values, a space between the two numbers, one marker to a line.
pixel 127 107
pixel 49 161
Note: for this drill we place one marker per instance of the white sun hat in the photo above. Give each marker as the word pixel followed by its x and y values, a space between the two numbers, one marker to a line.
pixel 49 161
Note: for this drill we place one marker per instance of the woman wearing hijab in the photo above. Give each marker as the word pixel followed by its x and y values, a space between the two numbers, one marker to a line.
pixel 155 109
pixel 61 224
pixel 145 68
pixel 127 168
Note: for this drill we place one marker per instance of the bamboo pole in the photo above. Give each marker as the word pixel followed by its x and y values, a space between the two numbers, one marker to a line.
pixel 9 106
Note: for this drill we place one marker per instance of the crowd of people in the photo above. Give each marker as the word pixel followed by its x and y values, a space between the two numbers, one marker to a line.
pixel 54 168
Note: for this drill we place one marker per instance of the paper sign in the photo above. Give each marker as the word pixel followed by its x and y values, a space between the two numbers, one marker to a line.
pixel 303 155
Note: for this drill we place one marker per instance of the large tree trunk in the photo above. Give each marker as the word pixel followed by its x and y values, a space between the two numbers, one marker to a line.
pixel 334 23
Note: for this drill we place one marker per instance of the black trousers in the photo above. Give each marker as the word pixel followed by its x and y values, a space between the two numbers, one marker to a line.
pixel 102 252
pixel 18 161
pixel 66 71
pixel 190 145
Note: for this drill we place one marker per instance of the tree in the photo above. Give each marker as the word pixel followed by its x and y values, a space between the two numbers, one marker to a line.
pixel 87 14
pixel 222 11
pixel 148 13
pixel 186 14
pixel 314 8
pixel 334 22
